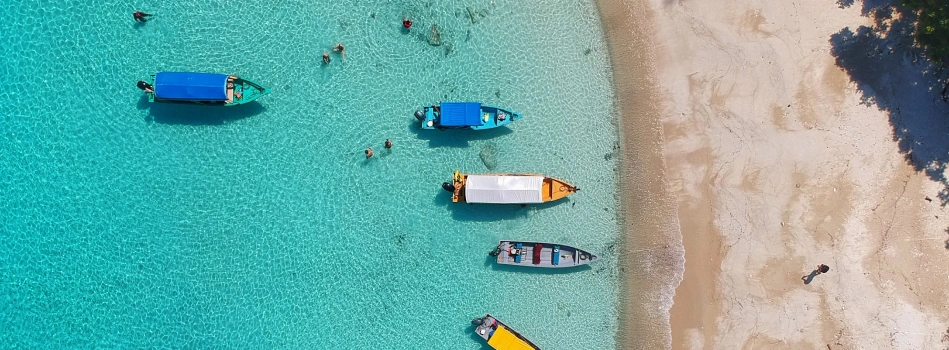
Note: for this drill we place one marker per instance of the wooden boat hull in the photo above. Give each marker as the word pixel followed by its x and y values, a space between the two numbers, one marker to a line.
pixel 501 336
pixel 556 189
pixel 552 189
pixel 539 254
pixel 245 91
pixel 492 117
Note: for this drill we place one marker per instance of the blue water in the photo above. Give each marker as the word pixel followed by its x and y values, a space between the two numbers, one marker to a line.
pixel 135 225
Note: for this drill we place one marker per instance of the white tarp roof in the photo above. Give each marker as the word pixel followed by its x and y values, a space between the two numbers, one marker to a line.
pixel 503 189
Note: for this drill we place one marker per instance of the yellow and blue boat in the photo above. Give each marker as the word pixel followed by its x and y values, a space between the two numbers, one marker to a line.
pixel 465 115
pixel 203 89
pixel 500 336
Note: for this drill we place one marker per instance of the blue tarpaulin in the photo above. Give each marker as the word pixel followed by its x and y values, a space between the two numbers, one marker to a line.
pixel 460 114
pixel 191 86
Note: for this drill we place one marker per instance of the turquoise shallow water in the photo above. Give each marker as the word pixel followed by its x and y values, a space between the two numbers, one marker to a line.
pixel 127 224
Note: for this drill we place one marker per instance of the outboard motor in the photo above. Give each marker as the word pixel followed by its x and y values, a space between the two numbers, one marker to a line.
pixel 419 114
pixel 448 186
pixel 496 252
pixel 477 322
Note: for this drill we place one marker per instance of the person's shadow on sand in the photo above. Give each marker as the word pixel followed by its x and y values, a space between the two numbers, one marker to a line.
pixel 807 279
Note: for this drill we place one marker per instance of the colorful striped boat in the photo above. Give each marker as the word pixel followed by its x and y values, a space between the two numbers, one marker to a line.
pixel 537 254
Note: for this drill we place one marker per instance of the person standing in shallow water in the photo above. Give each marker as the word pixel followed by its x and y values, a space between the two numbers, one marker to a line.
pixel 326 58
pixel 369 152
pixel 388 143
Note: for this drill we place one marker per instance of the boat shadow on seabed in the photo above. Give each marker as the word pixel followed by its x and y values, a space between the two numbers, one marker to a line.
pixel 186 114
pixel 490 212
pixel 492 262
pixel 455 137
pixel 474 336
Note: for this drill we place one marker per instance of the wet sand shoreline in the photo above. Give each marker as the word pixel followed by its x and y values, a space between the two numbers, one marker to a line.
pixel 651 252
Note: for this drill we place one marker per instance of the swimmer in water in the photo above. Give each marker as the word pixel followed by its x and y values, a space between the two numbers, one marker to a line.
pixel 140 16
pixel 341 49
pixel 145 86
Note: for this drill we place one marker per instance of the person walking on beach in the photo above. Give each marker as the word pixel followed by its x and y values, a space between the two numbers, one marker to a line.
pixel 140 16
pixel 342 50
pixel 388 143
pixel 326 58
pixel 822 269
pixel 369 152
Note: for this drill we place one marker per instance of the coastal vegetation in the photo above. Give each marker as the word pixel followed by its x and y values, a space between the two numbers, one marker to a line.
pixel 897 63
pixel 932 28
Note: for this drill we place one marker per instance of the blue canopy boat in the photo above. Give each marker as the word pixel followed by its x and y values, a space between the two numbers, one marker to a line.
pixel 203 88
pixel 465 115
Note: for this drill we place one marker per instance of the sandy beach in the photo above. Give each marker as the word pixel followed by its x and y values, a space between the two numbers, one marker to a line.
pixel 793 133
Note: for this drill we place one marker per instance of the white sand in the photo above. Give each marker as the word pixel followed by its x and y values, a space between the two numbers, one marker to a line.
pixel 778 166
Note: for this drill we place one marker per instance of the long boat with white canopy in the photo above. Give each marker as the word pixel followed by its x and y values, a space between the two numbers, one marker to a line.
pixel 507 188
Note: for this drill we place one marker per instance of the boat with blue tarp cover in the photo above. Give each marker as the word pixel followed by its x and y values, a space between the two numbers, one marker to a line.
pixel 203 88
pixel 537 254
pixel 464 115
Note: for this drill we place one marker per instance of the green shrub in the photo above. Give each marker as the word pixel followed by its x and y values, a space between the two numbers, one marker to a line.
pixel 932 30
